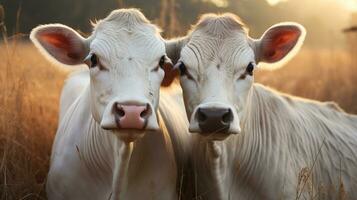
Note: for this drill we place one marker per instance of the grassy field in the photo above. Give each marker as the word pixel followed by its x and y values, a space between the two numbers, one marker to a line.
pixel 30 88
pixel 29 97
pixel 325 75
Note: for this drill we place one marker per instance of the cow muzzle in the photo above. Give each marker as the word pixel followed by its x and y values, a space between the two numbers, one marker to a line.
pixel 131 116
pixel 136 116
pixel 214 120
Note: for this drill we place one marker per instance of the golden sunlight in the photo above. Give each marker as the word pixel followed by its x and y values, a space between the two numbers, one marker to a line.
pixel 348 4
pixel 218 3
pixel 274 2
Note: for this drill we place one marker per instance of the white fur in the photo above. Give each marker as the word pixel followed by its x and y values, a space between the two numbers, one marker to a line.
pixel 71 90
pixel 88 162
pixel 281 135
pixel 276 135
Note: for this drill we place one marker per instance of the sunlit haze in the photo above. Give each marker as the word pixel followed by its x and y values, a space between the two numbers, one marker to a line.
pixel 218 3
pixel 349 4
pixel 274 2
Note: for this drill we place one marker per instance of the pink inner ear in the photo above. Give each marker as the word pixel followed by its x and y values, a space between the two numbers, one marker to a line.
pixel 57 40
pixel 61 46
pixel 279 44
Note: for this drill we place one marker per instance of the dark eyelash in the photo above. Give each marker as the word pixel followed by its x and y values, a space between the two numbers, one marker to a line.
pixel 162 61
pixel 160 64
pixel 184 72
pixel 242 76
pixel 249 69
pixel 93 61
pixel 182 68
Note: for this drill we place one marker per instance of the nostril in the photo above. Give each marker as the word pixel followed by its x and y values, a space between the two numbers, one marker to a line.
pixel 227 117
pixel 119 110
pixel 145 113
pixel 201 116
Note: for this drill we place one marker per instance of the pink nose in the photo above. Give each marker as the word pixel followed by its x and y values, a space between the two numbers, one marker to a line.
pixel 131 116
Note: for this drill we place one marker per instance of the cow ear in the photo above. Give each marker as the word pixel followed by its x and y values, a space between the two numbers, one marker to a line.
pixel 281 41
pixel 174 47
pixel 60 42
pixel 173 50
pixel 170 73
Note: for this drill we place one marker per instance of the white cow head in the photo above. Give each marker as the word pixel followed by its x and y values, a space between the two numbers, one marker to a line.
pixel 217 60
pixel 125 55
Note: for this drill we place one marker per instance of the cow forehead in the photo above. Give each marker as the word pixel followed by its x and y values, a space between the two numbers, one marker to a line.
pixel 127 33
pixel 121 43
pixel 231 51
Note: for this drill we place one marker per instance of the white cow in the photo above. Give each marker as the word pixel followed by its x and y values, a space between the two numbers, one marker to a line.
pixel 113 140
pixel 254 141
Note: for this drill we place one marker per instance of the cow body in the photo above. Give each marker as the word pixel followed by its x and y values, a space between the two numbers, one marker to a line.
pixel 251 142
pixel 282 139
pixel 83 155
pixel 72 89
pixel 114 141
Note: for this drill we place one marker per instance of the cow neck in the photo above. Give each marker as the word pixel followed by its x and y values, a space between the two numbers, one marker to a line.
pixel 102 147
pixel 122 155
pixel 105 155
pixel 97 145
pixel 249 153
pixel 260 142
pixel 218 166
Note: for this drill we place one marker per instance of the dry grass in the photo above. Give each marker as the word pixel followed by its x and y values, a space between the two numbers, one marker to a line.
pixel 29 96
pixel 30 88
pixel 325 75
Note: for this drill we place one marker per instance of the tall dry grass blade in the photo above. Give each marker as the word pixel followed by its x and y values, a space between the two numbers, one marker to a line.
pixel 342 192
pixel 322 192
pixel 309 174
pixel 18 14
pixel 2 24
pixel 2 13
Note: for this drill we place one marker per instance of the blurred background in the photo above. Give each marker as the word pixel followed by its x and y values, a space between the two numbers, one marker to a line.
pixel 325 69
pixel 324 19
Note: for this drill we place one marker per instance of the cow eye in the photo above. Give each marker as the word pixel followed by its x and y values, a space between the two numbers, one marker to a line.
pixel 182 69
pixel 162 61
pixel 160 64
pixel 250 68
pixel 93 61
